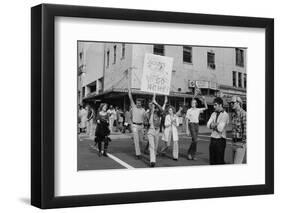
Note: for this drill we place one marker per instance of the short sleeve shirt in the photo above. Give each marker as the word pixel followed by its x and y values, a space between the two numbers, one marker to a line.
pixel 192 115
pixel 138 114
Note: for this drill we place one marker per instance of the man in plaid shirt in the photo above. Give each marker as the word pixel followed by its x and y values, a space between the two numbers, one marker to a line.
pixel 239 130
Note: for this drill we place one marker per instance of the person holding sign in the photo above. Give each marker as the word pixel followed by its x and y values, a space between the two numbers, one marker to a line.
pixel 138 116
pixel 171 132
pixel 153 116
pixel 160 112
pixel 192 123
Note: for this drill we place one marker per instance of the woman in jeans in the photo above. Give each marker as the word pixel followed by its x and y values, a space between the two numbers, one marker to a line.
pixel 192 124
pixel 153 116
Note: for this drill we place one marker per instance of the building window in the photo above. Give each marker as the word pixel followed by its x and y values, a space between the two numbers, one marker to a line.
pixel 158 49
pixel 107 58
pixel 245 80
pixel 239 57
pixel 123 50
pixel 239 79
pixel 100 82
pixel 81 55
pixel 83 91
pixel 187 54
pixel 234 79
pixel 79 94
pixel 211 60
pixel 212 92
pixel 93 87
pixel 114 54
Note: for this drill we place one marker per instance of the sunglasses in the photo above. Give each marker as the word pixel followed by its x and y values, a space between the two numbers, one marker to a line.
pixel 232 102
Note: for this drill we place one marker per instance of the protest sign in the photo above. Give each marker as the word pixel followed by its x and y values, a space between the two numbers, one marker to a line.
pixel 157 72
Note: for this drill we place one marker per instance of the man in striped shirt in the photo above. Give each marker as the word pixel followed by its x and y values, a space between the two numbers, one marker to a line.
pixel 239 130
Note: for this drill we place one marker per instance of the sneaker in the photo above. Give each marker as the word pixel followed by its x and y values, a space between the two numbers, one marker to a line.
pixel 175 159
pixel 152 164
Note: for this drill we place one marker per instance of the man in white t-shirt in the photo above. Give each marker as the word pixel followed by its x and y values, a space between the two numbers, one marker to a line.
pixel 192 123
pixel 138 116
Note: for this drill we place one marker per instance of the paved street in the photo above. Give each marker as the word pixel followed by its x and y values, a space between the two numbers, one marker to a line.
pixel 122 154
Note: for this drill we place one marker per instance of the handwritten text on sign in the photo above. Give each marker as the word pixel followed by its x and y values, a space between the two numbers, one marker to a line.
pixel 157 71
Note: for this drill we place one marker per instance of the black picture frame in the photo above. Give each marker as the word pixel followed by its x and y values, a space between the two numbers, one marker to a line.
pixel 43 105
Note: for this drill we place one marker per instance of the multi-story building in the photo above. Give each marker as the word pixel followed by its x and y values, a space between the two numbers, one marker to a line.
pixel 90 69
pixel 103 70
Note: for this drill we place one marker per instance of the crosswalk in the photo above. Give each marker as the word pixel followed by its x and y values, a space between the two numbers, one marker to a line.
pixel 122 163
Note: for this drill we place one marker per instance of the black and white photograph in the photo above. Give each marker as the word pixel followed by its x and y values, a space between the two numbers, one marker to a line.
pixel 143 105
pixel 140 106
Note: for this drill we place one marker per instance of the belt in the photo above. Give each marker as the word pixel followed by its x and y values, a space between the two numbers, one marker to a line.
pixel 221 138
pixel 137 123
pixel 237 140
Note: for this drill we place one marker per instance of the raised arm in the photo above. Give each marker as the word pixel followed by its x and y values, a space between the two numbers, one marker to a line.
pixel 152 113
pixel 129 89
pixel 165 102
pixel 179 111
pixel 155 102
pixel 205 104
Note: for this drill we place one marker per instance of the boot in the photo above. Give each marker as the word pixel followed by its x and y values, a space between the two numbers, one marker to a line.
pixel 105 146
pixel 99 147
pixel 105 153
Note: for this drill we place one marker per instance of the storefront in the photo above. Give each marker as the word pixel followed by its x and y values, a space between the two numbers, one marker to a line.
pixel 119 97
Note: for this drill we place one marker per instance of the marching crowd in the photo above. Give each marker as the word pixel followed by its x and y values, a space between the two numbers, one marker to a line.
pixel 165 119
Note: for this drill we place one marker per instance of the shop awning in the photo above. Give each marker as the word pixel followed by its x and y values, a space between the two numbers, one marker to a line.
pixel 209 99
pixel 135 91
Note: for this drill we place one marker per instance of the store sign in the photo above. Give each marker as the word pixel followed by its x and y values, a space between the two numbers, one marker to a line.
pixel 213 85
pixel 203 84
pixel 157 73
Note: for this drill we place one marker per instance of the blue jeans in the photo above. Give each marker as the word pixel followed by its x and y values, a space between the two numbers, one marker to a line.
pixel 193 128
